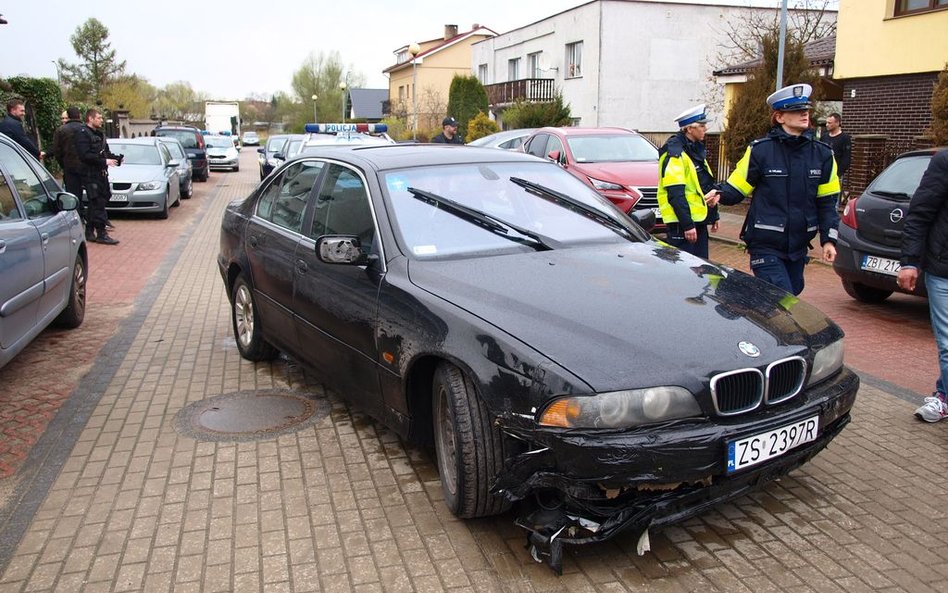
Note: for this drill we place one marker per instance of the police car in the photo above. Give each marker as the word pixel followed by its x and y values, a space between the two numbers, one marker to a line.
pixel 322 135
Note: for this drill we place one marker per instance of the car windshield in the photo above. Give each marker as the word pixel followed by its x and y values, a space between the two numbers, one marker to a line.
pixel 137 154
pixel 902 177
pixel 429 231
pixel 175 149
pixel 275 144
pixel 218 142
pixel 250 136
pixel 611 148
pixel 187 138
pixel 293 147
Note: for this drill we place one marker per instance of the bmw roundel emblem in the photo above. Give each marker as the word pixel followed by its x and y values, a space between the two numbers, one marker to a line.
pixel 749 349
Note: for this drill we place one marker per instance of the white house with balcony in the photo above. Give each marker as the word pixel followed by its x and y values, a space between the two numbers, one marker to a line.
pixel 630 63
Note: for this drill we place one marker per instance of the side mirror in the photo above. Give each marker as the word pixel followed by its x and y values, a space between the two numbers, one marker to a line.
pixel 280 156
pixel 554 156
pixel 341 249
pixel 645 218
pixel 65 201
pixel 173 163
pixel 262 150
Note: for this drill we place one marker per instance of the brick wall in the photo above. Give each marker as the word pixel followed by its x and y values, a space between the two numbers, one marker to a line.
pixel 886 116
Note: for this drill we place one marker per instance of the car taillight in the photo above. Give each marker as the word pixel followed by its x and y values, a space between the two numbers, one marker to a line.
pixel 849 214
pixel 200 142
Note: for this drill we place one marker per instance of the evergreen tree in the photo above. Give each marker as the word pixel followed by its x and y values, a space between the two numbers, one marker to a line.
pixel 466 99
pixel 939 127
pixel 98 66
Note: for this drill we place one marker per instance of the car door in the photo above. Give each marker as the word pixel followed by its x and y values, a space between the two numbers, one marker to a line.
pixel 36 190
pixel 337 304
pixel 270 241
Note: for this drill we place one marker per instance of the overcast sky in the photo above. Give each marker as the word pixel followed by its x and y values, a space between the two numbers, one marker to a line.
pixel 234 48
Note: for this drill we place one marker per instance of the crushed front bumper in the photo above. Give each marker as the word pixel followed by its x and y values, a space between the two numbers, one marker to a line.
pixel 596 484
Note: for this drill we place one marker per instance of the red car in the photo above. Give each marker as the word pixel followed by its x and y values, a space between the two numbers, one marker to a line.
pixel 620 164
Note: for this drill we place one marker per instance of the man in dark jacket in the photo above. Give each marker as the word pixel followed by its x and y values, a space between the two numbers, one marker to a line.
pixel 795 186
pixel 925 246
pixel 65 152
pixel 449 134
pixel 12 126
pixel 96 160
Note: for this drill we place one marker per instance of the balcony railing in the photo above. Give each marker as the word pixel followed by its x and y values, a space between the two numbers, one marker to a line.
pixel 527 89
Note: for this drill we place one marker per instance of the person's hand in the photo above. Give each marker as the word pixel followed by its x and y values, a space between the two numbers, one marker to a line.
pixel 907 279
pixel 691 235
pixel 42 155
pixel 829 252
pixel 715 226
pixel 111 162
pixel 712 198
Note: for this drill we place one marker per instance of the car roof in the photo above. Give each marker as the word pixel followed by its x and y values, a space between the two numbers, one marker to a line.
pixel 931 151
pixel 145 140
pixel 189 128
pixel 573 131
pixel 397 156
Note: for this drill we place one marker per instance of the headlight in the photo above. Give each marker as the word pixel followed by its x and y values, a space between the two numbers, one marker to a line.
pixel 149 185
pixel 621 409
pixel 599 184
pixel 827 361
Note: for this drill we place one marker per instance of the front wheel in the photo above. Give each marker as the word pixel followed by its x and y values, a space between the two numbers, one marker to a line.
pixel 164 206
pixel 188 190
pixel 865 294
pixel 246 322
pixel 469 447
pixel 75 311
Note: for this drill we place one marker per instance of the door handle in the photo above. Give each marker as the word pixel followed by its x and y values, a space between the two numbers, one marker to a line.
pixel 45 238
pixel 252 239
pixel 3 246
pixel 301 266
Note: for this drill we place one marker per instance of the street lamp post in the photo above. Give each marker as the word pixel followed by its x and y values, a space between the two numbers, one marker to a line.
pixel 343 86
pixel 59 76
pixel 414 49
pixel 315 117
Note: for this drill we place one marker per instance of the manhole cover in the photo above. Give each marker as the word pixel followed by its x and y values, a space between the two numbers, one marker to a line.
pixel 249 415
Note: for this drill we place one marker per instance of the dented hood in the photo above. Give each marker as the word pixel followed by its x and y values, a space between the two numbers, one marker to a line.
pixel 628 315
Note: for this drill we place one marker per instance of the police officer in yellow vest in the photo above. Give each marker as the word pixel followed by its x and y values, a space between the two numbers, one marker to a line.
pixel 794 184
pixel 686 199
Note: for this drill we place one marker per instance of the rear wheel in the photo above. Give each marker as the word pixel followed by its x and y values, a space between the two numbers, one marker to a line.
pixel 469 447
pixel 248 332
pixel 865 294
pixel 75 311
pixel 188 190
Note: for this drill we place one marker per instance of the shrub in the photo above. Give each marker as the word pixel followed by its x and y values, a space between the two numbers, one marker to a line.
pixel 524 114
pixel 939 127
pixel 481 126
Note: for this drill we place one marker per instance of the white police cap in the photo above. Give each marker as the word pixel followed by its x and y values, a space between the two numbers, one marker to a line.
pixel 695 115
pixel 795 97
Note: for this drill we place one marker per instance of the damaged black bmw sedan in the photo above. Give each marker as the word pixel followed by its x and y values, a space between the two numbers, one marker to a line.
pixel 552 352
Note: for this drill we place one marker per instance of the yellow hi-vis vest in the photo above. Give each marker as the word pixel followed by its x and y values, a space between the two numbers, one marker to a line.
pixel 680 170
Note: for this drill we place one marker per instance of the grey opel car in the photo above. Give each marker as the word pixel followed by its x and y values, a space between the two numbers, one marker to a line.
pixel 43 263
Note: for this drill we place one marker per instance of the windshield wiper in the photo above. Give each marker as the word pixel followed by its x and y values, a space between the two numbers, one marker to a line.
pixel 892 194
pixel 484 220
pixel 565 201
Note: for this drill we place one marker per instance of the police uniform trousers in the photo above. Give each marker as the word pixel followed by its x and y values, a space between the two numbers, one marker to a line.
pixel 676 238
pixel 98 191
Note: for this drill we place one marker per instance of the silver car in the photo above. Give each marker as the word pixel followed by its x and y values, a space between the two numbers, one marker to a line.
pixel 221 153
pixel 508 139
pixel 147 180
pixel 43 263
pixel 185 169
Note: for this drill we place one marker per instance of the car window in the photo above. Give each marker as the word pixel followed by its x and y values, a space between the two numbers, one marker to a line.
pixel 8 207
pixel 342 206
pixel 218 142
pixel 902 176
pixel 537 145
pixel 136 154
pixel 612 148
pixel 555 144
pixel 512 143
pixel 275 144
pixel 284 201
pixel 165 154
pixel 28 185
pixel 187 138
pixel 175 151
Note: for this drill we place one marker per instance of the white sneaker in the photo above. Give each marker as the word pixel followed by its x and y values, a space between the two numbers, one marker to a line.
pixel 934 409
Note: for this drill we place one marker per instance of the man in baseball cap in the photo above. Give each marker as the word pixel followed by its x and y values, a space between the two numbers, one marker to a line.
pixel 449 134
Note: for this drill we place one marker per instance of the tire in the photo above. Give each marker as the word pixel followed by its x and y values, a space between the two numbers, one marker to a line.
pixel 469 448
pixel 865 294
pixel 177 201
pixel 203 176
pixel 237 168
pixel 245 320
pixel 163 215
pixel 75 311
pixel 188 190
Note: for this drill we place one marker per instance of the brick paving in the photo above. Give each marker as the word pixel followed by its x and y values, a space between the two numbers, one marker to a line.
pixel 119 501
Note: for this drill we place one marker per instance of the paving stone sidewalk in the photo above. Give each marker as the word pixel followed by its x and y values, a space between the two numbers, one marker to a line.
pixel 123 502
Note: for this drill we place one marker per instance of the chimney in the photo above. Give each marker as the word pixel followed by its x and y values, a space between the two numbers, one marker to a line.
pixel 450 31
pixel 475 26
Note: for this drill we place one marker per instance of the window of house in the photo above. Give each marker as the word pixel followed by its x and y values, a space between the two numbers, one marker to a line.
pixel 401 92
pixel 533 65
pixel 513 69
pixel 482 73
pixel 913 6
pixel 574 59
